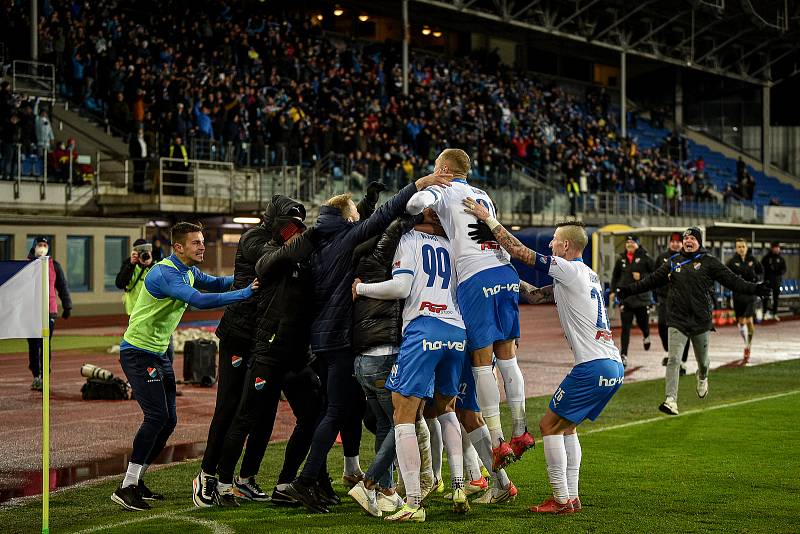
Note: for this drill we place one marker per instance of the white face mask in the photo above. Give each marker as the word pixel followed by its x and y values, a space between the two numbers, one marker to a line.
pixel 41 250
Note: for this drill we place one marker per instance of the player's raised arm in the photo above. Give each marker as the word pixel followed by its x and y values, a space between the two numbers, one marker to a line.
pixel 511 244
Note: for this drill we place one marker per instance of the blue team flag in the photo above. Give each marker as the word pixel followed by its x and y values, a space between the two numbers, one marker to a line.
pixel 22 297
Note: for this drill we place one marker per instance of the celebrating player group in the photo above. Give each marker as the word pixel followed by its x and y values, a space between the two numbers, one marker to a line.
pixel 415 308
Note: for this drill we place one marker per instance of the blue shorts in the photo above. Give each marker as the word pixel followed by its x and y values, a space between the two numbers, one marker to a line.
pixel 467 394
pixel 431 358
pixel 489 303
pixel 586 390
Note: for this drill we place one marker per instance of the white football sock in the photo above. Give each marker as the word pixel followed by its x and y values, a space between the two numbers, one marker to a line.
pixel 743 332
pixel 555 456
pixel 408 457
pixel 451 435
pixel 472 464
pixel 132 475
pixel 489 401
pixel 515 393
pixel 435 429
pixel 424 444
pixel 483 446
pixel 573 447
pixel 142 472
pixel 751 329
pixel 352 466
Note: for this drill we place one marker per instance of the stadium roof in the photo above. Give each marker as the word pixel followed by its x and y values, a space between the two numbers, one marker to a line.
pixel 756 41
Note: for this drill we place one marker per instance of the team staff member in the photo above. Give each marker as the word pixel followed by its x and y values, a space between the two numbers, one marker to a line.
pixel 674 247
pixel 774 268
pixel 745 265
pixel 340 232
pixel 632 265
pixel 169 288
pixel 58 286
pixel 690 277
pixel 279 359
pixel 235 332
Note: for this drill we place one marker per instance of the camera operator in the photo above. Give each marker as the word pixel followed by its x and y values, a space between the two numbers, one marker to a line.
pixel 130 277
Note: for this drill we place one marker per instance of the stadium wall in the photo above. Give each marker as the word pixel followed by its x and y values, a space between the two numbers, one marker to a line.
pixel 89 249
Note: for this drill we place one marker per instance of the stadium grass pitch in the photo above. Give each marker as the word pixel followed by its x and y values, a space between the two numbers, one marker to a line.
pixel 729 463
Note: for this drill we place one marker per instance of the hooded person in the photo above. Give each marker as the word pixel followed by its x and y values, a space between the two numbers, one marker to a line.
pixel 674 247
pixel 279 361
pixel 690 277
pixel 631 266
pixel 236 340
pixel 57 285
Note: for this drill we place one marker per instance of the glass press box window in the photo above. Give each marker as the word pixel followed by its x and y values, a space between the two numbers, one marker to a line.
pixel 116 250
pixel 79 263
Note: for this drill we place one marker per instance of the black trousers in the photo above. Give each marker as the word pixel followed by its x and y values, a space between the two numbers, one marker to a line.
pixel 255 419
pixel 771 304
pixel 36 351
pixel 234 357
pixel 343 414
pixel 642 320
pixel 663 331
pixel 152 380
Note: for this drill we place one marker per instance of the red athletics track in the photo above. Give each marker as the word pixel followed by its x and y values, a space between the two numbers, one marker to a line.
pixel 90 439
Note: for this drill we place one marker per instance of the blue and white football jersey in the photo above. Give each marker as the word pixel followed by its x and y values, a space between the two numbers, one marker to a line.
pixel 470 256
pixel 427 258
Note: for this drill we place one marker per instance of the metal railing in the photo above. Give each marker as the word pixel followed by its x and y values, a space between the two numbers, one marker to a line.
pixel 34 78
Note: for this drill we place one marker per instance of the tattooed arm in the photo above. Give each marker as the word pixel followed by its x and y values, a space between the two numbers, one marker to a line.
pixel 510 243
pixel 536 295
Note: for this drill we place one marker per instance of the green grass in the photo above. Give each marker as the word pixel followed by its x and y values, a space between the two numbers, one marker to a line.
pixel 728 469
pixel 10 346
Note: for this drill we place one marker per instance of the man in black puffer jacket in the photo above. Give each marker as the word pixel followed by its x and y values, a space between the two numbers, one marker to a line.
pixel 690 275
pixel 675 244
pixel 235 332
pixel 632 265
pixel 279 358
pixel 340 232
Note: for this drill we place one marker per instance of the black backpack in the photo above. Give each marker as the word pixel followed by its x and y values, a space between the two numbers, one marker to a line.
pixel 97 389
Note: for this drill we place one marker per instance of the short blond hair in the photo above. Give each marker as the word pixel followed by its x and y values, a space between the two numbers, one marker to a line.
pixel 458 161
pixel 575 233
pixel 341 203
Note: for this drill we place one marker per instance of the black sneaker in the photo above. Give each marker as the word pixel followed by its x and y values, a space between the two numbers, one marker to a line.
pixel 250 490
pixel 325 491
pixel 148 495
pixel 36 385
pixel 280 497
pixel 129 498
pixel 306 496
pixel 647 343
pixel 664 362
pixel 204 490
pixel 226 500
pixel 624 359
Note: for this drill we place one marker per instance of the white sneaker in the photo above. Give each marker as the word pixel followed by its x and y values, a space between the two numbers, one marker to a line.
pixel 669 406
pixel 367 499
pixel 498 495
pixel 390 503
pixel 702 386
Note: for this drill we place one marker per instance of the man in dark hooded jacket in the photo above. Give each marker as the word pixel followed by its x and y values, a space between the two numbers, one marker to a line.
pixel 690 275
pixel 279 358
pixel 340 230
pixel 631 266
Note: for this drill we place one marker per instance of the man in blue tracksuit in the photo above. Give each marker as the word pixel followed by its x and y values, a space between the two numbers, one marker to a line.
pixel 340 231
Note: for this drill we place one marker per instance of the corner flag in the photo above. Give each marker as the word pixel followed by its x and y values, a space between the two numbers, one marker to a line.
pixel 25 298
pixel 22 294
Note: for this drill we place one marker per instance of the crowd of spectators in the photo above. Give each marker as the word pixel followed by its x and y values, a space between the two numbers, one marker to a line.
pixel 209 81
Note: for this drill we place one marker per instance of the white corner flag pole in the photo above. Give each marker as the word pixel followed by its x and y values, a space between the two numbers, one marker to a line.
pixel 46 396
